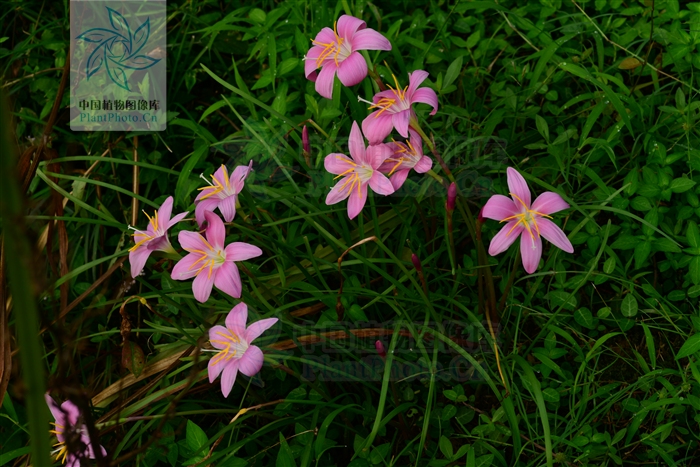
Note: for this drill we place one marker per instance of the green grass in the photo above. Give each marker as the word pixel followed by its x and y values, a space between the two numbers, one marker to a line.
pixel 598 351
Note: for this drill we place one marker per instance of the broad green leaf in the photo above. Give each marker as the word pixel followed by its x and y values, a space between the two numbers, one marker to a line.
pixel 682 184
pixel 691 346
pixel 584 317
pixel 629 306
pixel 196 437
pixel 452 72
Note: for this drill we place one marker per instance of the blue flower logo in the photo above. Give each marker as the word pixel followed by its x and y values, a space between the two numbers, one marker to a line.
pixel 118 48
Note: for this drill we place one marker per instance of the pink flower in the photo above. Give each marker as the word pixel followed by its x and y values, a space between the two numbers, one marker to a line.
pixel 528 222
pixel 154 238
pixel 335 52
pixel 223 194
pixel 406 156
pixel 66 419
pixel 358 171
pixel 452 197
pixel 236 353
pixel 395 108
pixel 209 262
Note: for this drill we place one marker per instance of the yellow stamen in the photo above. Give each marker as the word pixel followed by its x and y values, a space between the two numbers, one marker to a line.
pixel 330 48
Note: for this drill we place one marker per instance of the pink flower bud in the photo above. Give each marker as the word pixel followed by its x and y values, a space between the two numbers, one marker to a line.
pixel 380 349
pixel 480 217
pixel 305 140
pixel 416 262
pixel 451 197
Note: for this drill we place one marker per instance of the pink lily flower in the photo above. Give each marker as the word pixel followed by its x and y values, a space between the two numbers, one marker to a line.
pixel 395 109
pixel 154 238
pixel 358 171
pixel 335 52
pixel 406 156
pixel 66 419
pixel 209 262
pixel 235 350
pixel 223 194
pixel 529 221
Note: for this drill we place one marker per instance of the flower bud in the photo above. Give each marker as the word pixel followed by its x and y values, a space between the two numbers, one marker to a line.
pixel 480 217
pixel 451 197
pixel 380 349
pixel 305 140
pixel 416 262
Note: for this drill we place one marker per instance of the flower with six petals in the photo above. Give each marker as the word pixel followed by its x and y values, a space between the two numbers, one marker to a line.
pixel 335 51
pixel 66 419
pixel 236 353
pixel 406 156
pixel 154 238
pixel 394 108
pixel 209 262
pixel 529 221
pixel 222 194
pixel 358 171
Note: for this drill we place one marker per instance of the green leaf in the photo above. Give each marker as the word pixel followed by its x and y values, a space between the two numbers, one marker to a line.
pixel 629 306
pixel 285 457
pixel 542 127
pixel 664 244
pixel 183 187
pixel 584 317
pixel 625 242
pixel 682 184
pixel 641 203
pixel 446 447
pixel 550 395
pixel 641 253
pixel 693 234
pixel 474 39
pixel 609 265
pixel 562 298
pixel 195 437
pixel 452 72
pixel 691 346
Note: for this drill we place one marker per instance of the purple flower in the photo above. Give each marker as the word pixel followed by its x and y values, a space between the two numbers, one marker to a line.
pixel 358 171
pixel 395 109
pixel 406 156
pixel 335 52
pixel 530 222
pixel 223 194
pixel 235 350
pixel 209 262
pixel 154 238
pixel 66 419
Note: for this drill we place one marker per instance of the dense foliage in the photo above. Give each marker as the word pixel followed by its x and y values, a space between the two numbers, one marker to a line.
pixel 597 360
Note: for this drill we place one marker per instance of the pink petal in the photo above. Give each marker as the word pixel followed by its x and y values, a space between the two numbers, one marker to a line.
pixel 414 80
pixel 216 334
pixel 228 377
pixel 426 96
pixel 252 361
pixel 72 412
pixel 551 232
pixel 389 94
pixel 91 450
pixel 378 153
pixel 310 62
pixel 185 268
pixel 416 140
pixel 177 219
pixel 400 121
pixel 215 366
pixel 240 251
pixel 325 35
pixel 377 127
pixel 369 39
pixel 380 184
pixel 352 70
pixel 549 203
pixel 337 163
pixel 499 207
pixel 347 25
pixel 240 173
pixel 227 279
pixel 202 285
pixel 208 204
pixel 357 144
pixel 530 251
pixel 339 192
pixel 518 186
pixel 324 80
pixel 158 243
pixel 137 259
pixel 505 238
pixel 257 328
pixel 357 200
pixel 164 212
pixel 236 319
pixel 216 232
pixel 227 206
pixel 58 416
pixel 72 461
pixel 424 164
pixel 191 240
pixel 398 178
pixel 221 175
